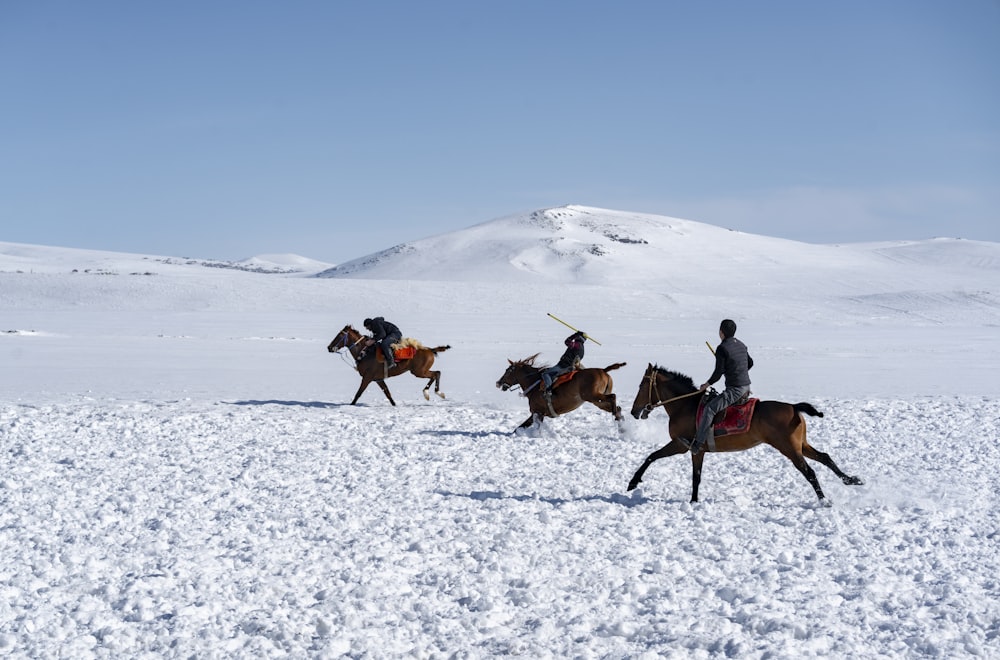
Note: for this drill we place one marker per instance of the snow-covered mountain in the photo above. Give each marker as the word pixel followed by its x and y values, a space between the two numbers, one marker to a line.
pixel 584 245
pixel 19 257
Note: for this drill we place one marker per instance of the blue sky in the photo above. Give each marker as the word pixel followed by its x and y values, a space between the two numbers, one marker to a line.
pixel 335 129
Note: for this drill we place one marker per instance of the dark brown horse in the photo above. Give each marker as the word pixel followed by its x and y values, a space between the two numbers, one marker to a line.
pixel 371 369
pixel 778 424
pixel 590 385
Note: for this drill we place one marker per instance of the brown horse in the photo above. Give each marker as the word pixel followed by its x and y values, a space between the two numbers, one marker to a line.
pixel 778 424
pixel 371 369
pixel 591 385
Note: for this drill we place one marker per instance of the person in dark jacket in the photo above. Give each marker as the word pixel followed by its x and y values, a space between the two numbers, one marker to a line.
pixel 734 362
pixel 385 334
pixel 571 359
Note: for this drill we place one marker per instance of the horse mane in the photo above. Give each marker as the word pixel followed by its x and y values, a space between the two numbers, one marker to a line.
pixel 683 379
pixel 530 362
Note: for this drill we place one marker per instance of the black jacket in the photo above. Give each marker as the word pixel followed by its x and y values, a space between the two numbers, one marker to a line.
pixel 574 350
pixel 733 361
pixel 381 329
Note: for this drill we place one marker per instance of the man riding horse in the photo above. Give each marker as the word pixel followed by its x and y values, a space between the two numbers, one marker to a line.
pixel 385 334
pixel 734 362
pixel 571 359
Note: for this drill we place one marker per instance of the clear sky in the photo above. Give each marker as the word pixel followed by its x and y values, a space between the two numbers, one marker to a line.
pixel 334 129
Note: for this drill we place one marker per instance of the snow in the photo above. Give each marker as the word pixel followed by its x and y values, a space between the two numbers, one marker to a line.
pixel 182 475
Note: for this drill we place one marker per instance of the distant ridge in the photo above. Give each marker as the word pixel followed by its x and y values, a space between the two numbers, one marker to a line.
pixel 586 245
pixel 565 244
pixel 20 257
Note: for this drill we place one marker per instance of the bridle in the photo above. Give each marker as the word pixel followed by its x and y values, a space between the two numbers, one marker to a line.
pixel 654 393
pixel 345 344
pixel 525 391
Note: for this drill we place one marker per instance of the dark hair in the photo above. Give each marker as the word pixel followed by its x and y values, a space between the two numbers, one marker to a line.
pixel 728 328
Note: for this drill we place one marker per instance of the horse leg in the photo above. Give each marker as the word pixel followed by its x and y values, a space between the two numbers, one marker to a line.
pixel 526 423
pixel 613 407
pixel 697 460
pixel 385 390
pixel 437 383
pixel 435 380
pixel 670 449
pixel 364 385
pixel 799 461
pixel 814 454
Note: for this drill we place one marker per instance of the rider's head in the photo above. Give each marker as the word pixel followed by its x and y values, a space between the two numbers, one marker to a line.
pixel 728 328
pixel 368 323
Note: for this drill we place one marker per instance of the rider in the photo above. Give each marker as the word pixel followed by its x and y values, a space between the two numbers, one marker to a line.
pixel 571 359
pixel 385 334
pixel 733 361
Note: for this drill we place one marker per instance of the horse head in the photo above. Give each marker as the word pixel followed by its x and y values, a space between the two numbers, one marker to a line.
pixel 344 339
pixel 518 373
pixel 641 406
pixel 658 386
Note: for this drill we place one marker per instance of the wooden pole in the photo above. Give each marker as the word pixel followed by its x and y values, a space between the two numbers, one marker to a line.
pixel 572 328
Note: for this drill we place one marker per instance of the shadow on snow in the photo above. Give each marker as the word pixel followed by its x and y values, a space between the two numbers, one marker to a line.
pixel 483 495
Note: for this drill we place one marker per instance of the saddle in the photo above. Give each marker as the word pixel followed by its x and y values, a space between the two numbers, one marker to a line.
pixel 564 378
pixel 403 350
pixel 734 419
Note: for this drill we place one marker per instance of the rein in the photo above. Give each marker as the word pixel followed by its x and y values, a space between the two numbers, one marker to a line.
pixel 349 348
pixel 654 390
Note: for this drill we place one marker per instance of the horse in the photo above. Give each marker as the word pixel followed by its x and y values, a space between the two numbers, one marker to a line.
pixel 775 423
pixel 590 385
pixel 367 364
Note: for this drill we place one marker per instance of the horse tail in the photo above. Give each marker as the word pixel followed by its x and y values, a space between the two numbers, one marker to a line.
pixel 616 365
pixel 808 409
pixel 440 349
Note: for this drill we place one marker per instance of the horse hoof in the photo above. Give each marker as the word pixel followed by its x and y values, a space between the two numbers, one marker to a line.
pixel 440 394
pixel 632 485
pixel 427 397
pixel 854 481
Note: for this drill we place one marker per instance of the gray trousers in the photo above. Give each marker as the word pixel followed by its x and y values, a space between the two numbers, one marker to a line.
pixel 729 396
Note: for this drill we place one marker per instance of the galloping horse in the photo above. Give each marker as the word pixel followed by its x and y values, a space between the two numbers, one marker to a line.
pixel 371 369
pixel 775 423
pixel 592 385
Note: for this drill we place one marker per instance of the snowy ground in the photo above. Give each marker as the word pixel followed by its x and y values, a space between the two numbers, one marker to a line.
pixel 181 477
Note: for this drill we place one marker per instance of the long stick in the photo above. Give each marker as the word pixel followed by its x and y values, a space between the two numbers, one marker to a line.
pixel 572 328
pixel 710 347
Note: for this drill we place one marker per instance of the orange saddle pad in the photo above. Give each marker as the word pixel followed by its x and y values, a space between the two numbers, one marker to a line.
pixel 566 377
pixel 404 353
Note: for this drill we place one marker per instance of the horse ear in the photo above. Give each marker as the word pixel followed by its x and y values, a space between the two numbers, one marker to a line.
pixel 649 366
pixel 510 361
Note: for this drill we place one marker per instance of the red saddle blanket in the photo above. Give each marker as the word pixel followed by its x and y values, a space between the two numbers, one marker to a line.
pixel 566 377
pixel 734 419
pixel 403 353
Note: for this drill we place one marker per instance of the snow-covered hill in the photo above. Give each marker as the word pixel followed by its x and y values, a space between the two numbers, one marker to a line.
pixel 22 258
pixel 584 245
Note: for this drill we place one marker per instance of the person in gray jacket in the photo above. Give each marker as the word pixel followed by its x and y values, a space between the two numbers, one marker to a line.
pixel 734 362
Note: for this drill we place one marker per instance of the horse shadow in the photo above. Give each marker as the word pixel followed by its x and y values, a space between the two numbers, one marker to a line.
pixel 279 402
pixel 627 501
pixel 462 434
